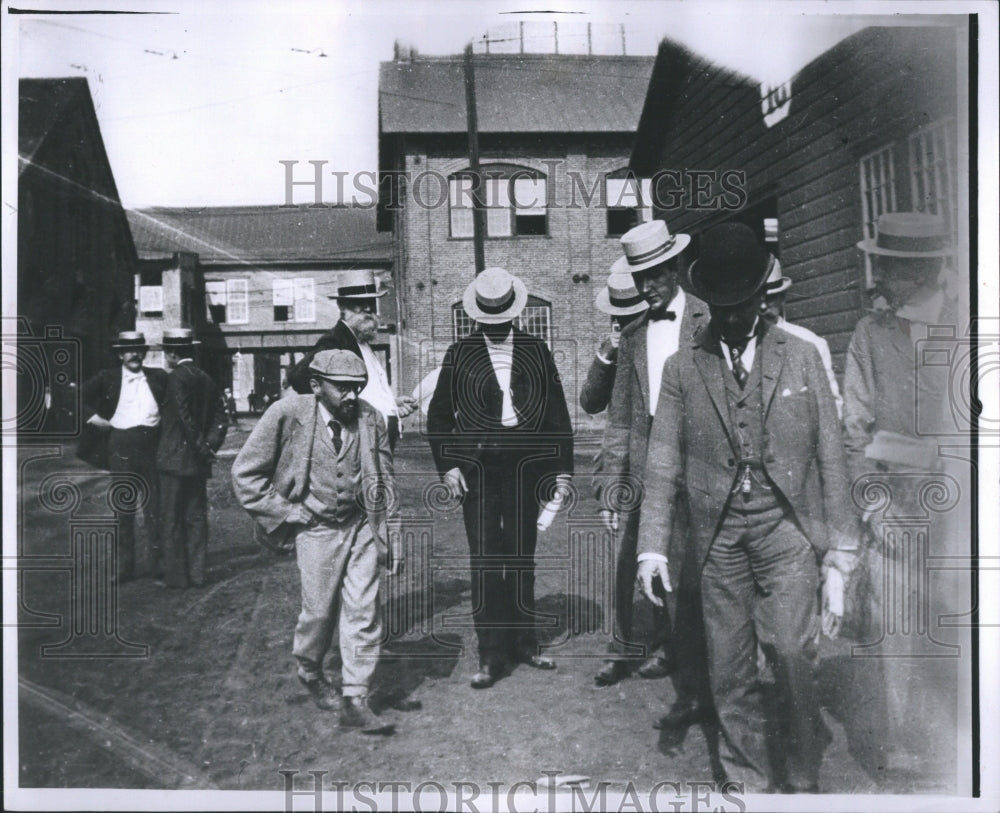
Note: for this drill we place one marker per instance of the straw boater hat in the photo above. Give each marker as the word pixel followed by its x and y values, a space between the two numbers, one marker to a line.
pixel 130 340
pixel 495 296
pixel 178 337
pixel 338 365
pixel 776 283
pixel 909 234
pixel 620 297
pixel 732 267
pixel 358 284
pixel 646 245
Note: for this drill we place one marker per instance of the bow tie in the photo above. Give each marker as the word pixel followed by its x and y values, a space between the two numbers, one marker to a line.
pixel 657 317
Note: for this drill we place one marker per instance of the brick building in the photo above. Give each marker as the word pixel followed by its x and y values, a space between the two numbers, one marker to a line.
pixel 877 123
pixel 256 283
pixel 555 132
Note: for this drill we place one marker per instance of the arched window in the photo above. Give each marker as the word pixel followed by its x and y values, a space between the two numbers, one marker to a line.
pixel 516 200
pixel 535 319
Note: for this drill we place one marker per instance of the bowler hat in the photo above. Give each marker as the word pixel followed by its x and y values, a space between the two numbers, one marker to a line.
pixel 909 234
pixel 732 267
pixel 495 296
pixel 776 283
pixel 620 296
pixel 130 340
pixel 178 337
pixel 359 284
pixel 338 365
pixel 646 245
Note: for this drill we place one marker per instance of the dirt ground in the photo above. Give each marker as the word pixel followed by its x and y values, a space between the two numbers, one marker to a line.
pixel 202 693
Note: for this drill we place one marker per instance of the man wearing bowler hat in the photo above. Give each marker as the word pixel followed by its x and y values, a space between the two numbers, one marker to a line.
pixel 319 467
pixel 652 257
pixel 193 427
pixel 746 438
pixel 501 437
pixel 357 298
pixel 124 402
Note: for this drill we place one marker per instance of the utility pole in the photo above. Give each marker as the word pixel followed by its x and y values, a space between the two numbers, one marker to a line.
pixel 478 209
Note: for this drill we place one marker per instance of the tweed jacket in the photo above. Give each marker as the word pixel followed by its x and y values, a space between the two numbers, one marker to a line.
pixel 466 408
pixel 100 393
pixel 693 457
pixel 627 432
pixel 271 471
pixel 193 422
pixel 595 394
pixel 340 337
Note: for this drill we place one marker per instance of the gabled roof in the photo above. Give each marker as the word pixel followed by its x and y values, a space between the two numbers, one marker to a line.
pixel 41 105
pixel 515 93
pixel 262 234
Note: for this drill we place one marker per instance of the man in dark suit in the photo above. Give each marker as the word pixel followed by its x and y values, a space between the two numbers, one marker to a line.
pixel 193 427
pixel 746 438
pixel 652 256
pixel 499 431
pixel 124 402
pixel 357 297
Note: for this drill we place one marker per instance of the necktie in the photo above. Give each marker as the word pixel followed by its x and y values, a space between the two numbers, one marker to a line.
pixel 338 441
pixel 740 372
pixel 668 315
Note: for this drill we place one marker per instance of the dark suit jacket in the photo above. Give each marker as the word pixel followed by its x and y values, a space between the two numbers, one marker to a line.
pixel 339 338
pixel 693 450
pixel 193 422
pixel 466 408
pixel 595 394
pixel 100 394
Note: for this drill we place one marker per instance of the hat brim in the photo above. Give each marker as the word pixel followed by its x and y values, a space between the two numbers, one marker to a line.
pixel 130 347
pixel 781 287
pixel 379 295
pixel 622 266
pixel 729 297
pixel 868 246
pixel 343 379
pixel 177 345
pixel 508 314
pixel 603 304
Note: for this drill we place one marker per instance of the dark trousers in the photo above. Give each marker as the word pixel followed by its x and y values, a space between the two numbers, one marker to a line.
pixel 392 427
pixel 184 508
pixel 759 584
pixel 133 451
pixel 687 645
pixel 634 637
pixel 501 512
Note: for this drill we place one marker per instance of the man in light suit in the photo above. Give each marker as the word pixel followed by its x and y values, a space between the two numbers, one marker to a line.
pixel 500 432
pixel 746 438
pixel 319 467
pixel 652 256
pixel 192 429
pixel 124 402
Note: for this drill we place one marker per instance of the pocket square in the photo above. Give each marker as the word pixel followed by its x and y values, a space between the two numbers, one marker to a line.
pixel 785 392
pixel 804 388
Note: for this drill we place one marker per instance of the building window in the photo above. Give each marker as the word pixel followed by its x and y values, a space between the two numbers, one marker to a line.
pixel 628 201
pixel 878 194
pixel 535 319
pixel 294 300
pixel 516 200
pixel 932 187
pixel 150 293
pixel 226 301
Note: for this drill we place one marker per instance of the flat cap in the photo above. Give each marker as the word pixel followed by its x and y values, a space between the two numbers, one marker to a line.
pixel 338 365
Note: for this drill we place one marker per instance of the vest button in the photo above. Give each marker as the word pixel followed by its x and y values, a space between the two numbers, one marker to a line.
pixel 730 462
pixel 743 424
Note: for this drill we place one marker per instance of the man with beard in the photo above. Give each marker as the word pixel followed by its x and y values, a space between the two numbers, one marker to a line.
pixel 355 331
pixel 746 439
pixel 500 433
pixel 320 465
pixel 124 402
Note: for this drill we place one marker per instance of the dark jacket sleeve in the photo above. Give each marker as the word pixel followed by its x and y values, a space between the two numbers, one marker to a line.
pixel 93 396
pixel 558 422
pixel 441 413
pixel 615 448
pixel 217 419
pixel 595 395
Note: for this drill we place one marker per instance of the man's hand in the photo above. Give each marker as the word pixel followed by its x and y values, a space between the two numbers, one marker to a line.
pixel 300 515
pixel 843 561
pixel 564 485
pixel 396 565
pixel 610 519
pixel 98 421
pixel 608 348
pixel 455 483
pixel 405 405
pixel 651 571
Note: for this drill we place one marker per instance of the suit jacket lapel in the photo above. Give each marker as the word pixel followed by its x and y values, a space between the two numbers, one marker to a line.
pixel 347 337
pixel 771 347
pixel 640 360
pixel 481 360
pixel 708 360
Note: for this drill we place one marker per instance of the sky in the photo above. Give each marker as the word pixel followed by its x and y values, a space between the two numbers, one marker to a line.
pixel 198 104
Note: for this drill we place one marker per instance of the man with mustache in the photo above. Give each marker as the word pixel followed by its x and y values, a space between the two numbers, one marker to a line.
pixel 357 328
pixel 320 465
pixel 124 402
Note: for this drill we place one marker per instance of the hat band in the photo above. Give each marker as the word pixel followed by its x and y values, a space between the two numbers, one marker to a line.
pixel 776 284
pixel 625 301
pixel 500 307
pixel 181 340
pixel 357 290
pixel 129 343
pixel 646 256
pixel 895 242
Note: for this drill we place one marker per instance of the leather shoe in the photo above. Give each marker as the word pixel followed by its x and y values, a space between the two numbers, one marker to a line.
pixel 323 693
pixel 611 673
pixel 684 713
pixel 485 677
pixel 654 667
pixel 356 713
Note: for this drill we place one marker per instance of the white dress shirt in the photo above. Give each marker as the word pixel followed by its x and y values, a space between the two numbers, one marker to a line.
pixel 377 391
pixel 662 339
pixel 502 356
pixel 136 404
